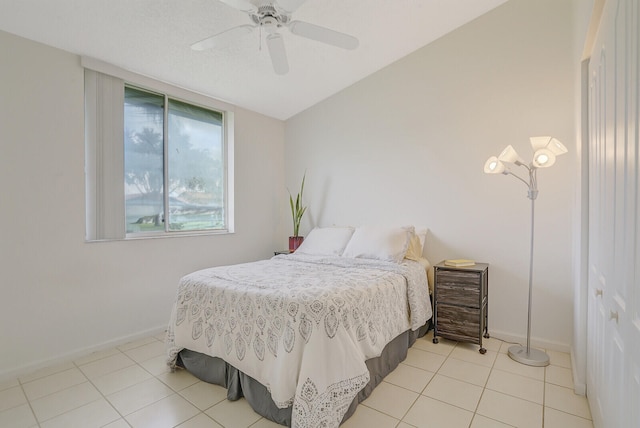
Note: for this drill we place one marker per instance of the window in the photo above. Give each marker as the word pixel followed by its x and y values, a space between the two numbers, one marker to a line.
pixel 157 164
pixel 193 197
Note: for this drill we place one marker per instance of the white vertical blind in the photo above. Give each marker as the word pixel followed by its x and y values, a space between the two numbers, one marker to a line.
pixel 104 158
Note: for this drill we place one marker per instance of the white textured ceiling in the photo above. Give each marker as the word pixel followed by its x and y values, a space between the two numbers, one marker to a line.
pixel 152 37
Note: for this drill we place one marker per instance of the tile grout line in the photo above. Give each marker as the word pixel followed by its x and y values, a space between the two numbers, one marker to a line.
pixel 177 393
pixel 484 388
pixel 425 387
pixel 437 372
pixel 153 376
pixel 90 381
pixel 33 413
pixel 100 392
pixel 29 401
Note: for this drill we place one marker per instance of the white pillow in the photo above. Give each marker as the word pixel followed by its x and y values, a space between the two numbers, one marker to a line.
pixel 326 241
pixel 380 243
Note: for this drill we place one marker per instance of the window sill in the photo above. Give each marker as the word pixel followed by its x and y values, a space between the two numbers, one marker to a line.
pixel 163 235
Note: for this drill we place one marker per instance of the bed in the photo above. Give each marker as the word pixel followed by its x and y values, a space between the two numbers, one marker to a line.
pixel 306 336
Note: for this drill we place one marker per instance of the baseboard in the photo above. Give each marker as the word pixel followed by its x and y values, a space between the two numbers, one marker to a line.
pixel 16 372
pixel 579 388
pixel 535 342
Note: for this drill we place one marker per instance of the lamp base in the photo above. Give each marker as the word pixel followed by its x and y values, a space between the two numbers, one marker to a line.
pixel 535 357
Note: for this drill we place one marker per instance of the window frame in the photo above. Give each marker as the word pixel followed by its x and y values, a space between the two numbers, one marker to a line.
pixel 104 151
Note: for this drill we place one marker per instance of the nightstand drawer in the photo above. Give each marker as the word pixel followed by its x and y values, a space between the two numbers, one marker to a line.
pixel 461 296
pixel 459 278
pixel 459 323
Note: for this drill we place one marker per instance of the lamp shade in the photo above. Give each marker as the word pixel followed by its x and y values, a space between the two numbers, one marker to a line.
pixel 493 166
pixel 557 147
pixel 543 158
pixel 509 154
pixel 538 143
pixel 549 143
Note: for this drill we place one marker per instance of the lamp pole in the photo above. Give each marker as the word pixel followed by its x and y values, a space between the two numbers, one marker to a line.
pixel 519 353
pixel 533 203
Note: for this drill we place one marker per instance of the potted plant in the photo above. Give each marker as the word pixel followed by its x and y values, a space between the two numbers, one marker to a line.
pixel 297 211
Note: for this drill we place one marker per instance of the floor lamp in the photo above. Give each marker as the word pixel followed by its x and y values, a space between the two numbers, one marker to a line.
pixel 545 151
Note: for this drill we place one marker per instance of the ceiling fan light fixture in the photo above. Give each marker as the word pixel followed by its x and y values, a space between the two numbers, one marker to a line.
pixel 270 24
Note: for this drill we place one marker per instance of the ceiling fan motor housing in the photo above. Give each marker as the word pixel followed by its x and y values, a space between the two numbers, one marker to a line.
pixel 269 18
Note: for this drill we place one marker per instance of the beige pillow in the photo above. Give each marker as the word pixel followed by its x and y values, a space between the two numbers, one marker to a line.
pixel 414 252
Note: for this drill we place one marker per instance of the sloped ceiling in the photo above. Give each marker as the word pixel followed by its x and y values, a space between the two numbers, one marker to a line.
pixel 153 37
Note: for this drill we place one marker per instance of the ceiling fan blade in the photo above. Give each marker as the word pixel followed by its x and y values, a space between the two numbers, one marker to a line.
pixel 278 54
pixel 223 38
pixel 243 5
pixel 290 5
pixel 324 35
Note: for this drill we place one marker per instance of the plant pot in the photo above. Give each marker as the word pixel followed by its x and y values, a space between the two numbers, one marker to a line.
pixel 294 242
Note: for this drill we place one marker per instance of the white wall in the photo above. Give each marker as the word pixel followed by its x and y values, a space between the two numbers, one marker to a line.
pixel 60 296
pixel 408 145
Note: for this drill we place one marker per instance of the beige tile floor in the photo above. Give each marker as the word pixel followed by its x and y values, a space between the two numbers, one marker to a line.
pixel 446 385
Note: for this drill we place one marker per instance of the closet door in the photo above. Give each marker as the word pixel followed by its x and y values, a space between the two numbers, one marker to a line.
pixel 596 317
pixel 613 337
pixel 633 135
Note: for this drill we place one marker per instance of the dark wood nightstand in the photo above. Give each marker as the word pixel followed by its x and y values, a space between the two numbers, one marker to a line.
pixel 460 303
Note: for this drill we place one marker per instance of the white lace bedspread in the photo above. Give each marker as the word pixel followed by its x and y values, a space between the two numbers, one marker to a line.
pixel 303 326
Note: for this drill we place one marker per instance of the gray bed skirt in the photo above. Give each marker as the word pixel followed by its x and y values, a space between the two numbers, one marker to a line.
pixel 238 385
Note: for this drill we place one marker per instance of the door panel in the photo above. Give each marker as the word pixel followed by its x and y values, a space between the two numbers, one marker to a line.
pixel 613 336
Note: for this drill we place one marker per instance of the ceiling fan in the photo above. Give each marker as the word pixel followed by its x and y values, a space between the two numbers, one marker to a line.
pixel 271 16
